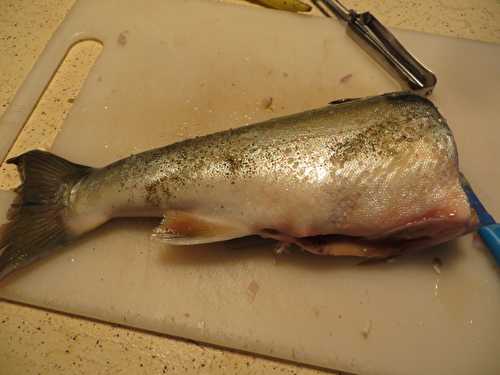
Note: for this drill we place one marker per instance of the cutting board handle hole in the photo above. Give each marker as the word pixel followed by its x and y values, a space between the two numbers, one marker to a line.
pixel 53 106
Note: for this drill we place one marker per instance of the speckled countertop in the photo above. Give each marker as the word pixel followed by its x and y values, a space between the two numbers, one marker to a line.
pixel 34 341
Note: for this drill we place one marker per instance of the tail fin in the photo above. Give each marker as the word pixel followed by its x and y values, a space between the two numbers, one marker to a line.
pixel 36 218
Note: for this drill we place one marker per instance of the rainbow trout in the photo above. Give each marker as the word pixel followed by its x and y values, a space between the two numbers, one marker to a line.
pixel 369 177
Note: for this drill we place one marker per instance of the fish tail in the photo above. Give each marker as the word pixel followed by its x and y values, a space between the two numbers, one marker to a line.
pixel 36 222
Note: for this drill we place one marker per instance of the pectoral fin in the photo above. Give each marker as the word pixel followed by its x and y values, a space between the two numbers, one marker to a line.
pixel 185 228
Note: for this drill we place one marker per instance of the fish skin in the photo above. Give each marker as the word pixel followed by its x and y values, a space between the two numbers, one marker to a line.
pixel 362 168
pixel 367 177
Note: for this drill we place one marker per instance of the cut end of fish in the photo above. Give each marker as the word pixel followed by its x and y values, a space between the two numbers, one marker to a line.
pixel 36 223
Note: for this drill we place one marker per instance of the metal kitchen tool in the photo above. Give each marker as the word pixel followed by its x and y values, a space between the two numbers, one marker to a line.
pixel 420 79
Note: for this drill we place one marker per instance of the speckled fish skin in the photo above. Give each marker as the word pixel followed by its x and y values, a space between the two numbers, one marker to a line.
pixel 368 177
pixel 374 168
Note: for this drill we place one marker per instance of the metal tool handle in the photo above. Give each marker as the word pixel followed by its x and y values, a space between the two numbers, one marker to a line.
pixel 368 27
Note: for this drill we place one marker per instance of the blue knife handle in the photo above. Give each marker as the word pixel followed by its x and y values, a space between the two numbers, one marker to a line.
pixel 491 236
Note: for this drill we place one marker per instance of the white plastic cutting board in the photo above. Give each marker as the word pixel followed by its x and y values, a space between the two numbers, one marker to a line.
pixel 176 69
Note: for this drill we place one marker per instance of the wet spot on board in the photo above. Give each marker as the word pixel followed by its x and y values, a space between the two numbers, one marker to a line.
pixel 252 290
pixel 316 312
pixel 345 78
pixel 285 75
pixel 122 38
pixel 437 263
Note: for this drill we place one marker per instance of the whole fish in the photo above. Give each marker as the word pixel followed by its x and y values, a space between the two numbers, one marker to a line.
pixel 365 177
